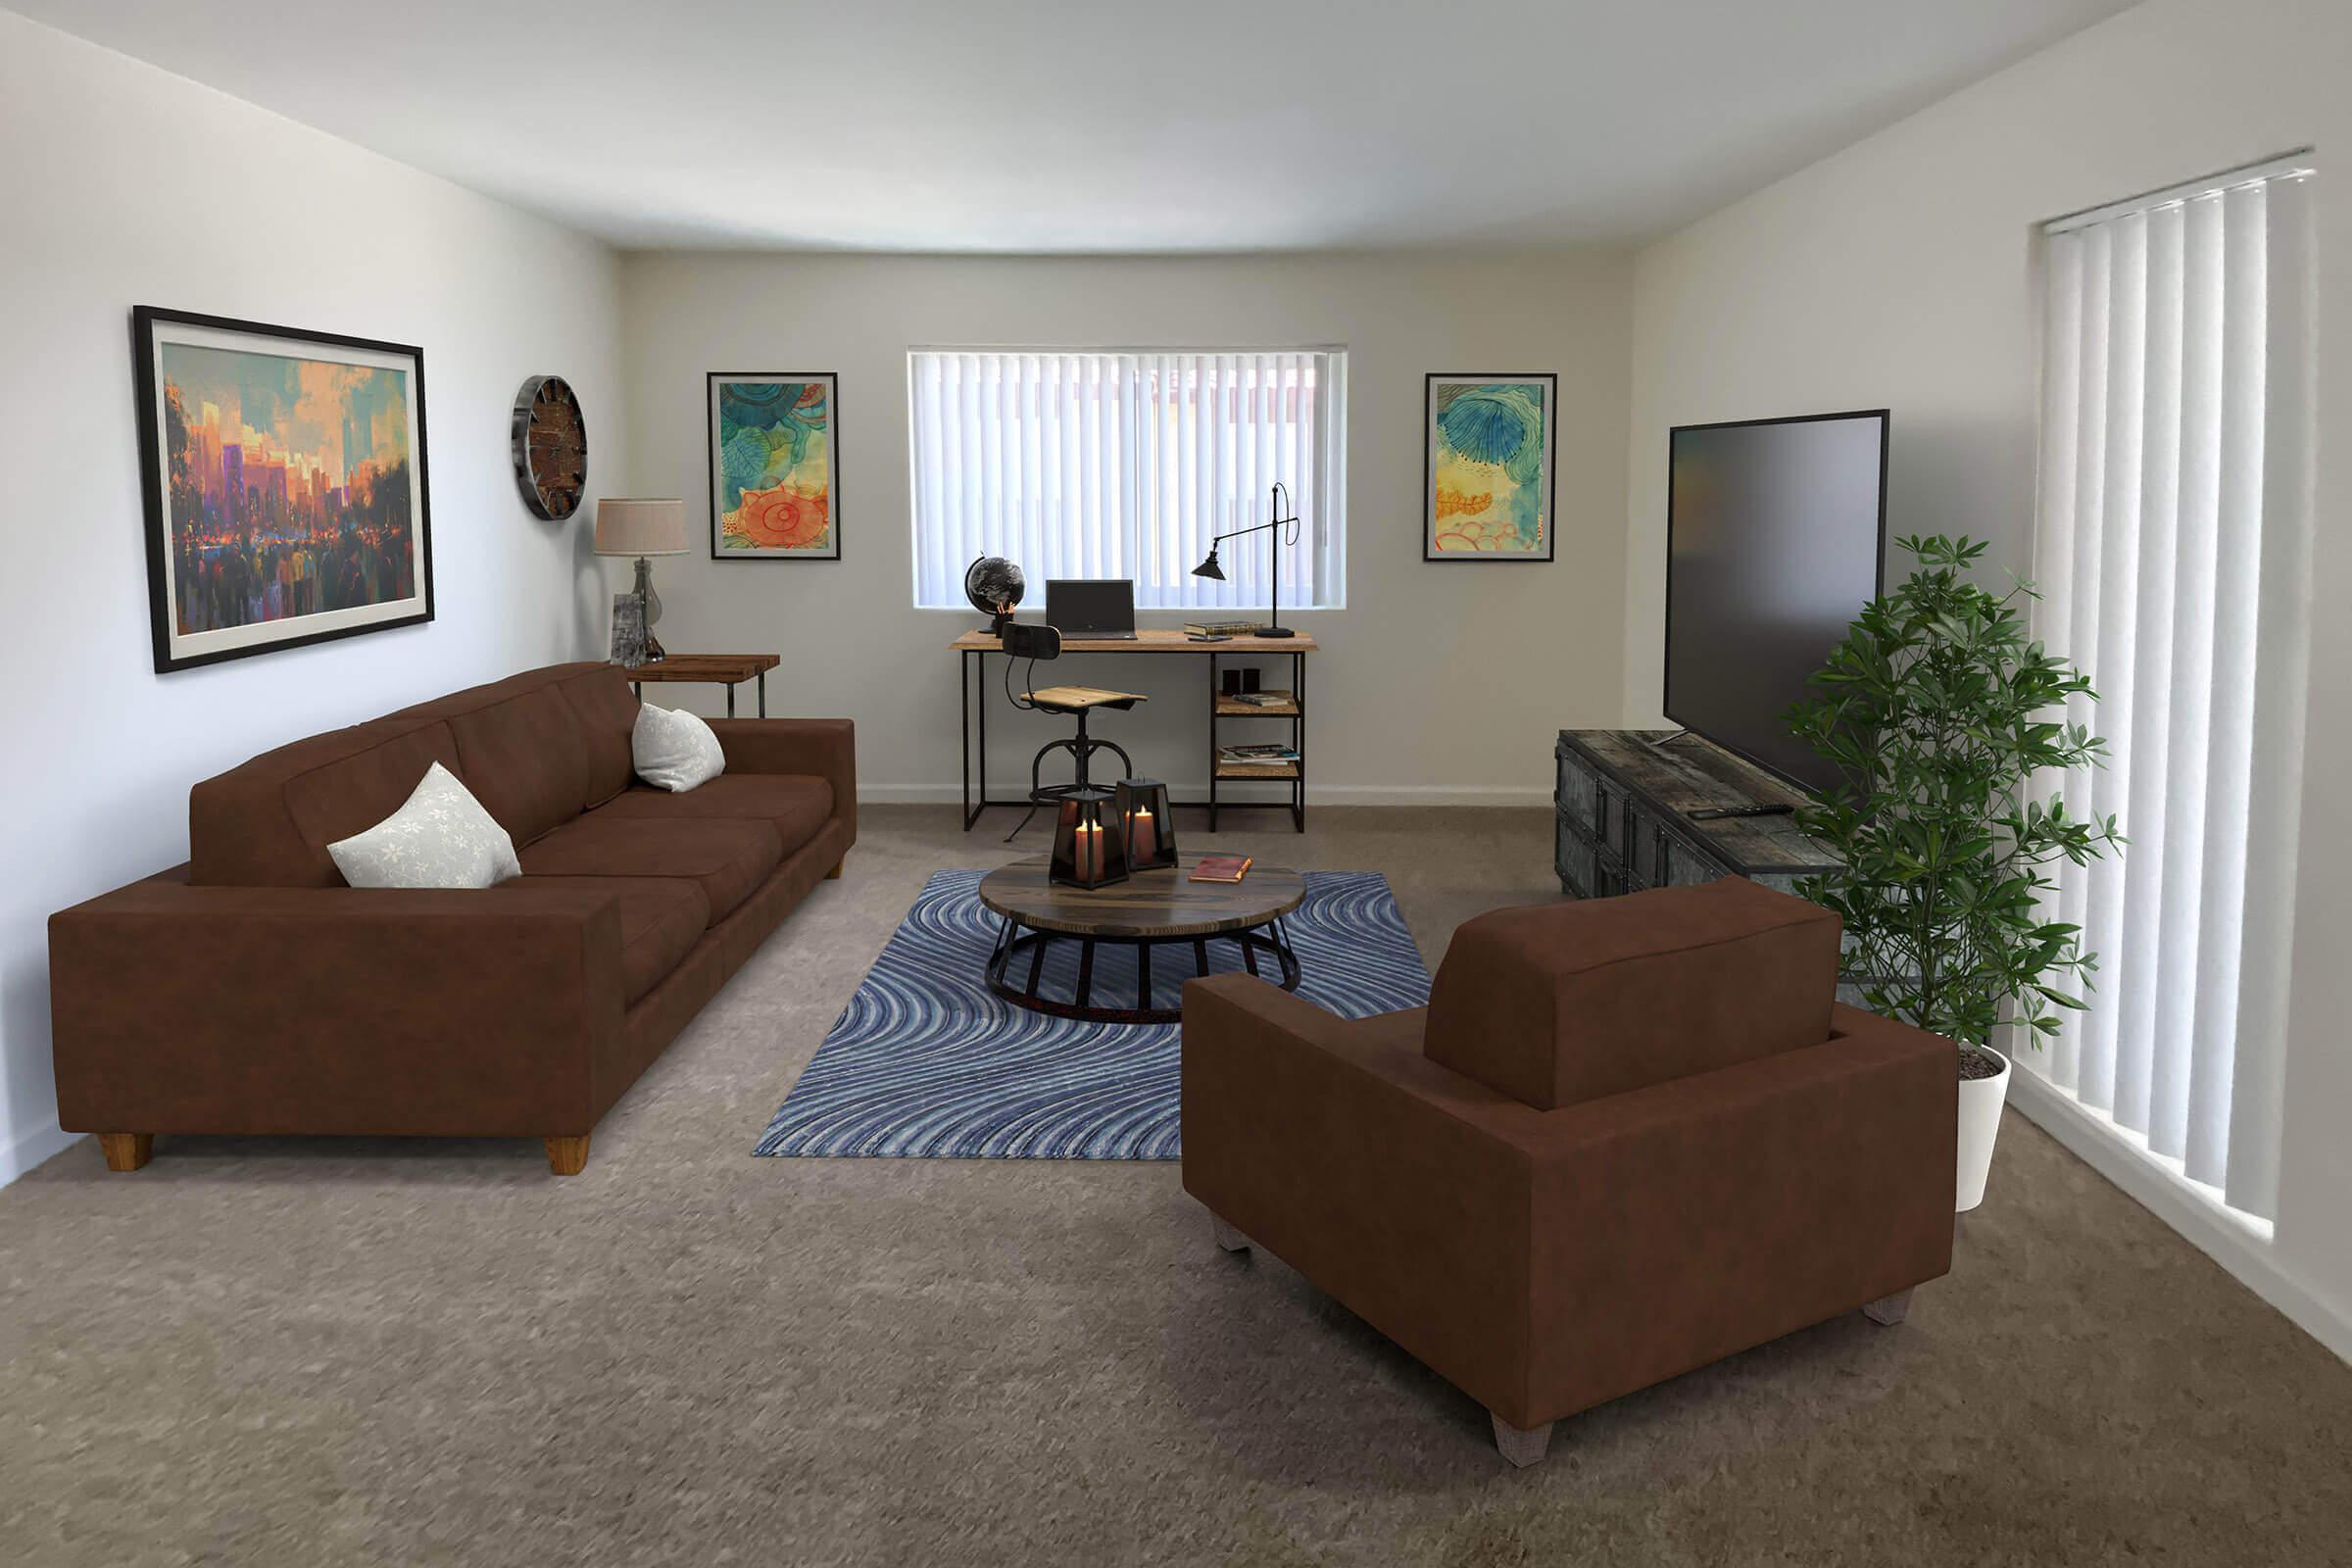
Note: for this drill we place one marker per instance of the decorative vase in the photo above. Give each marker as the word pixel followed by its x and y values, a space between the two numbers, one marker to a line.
pixel 1981 1101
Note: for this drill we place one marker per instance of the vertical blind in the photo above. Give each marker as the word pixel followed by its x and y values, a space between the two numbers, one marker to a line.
pixel 2176 517
pixel 1125 465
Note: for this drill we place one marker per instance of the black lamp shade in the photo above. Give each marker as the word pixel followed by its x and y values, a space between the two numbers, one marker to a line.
pixel 1089 849
pixel 1209 567
pixel 1146 823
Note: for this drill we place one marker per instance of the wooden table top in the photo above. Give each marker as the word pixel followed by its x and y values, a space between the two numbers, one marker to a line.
pixel 1149 904
pixel 1150 640
pixel 725 669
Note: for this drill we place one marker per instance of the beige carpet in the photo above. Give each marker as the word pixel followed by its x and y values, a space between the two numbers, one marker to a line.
pixel 318 1353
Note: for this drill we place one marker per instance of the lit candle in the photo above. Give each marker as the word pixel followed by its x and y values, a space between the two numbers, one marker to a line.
pixel 1088 850
pixel 1142 836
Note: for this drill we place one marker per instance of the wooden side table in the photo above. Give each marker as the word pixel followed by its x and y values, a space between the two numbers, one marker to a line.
pixel 717 670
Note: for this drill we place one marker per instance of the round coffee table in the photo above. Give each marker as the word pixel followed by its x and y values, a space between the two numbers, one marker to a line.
pixel 1150 910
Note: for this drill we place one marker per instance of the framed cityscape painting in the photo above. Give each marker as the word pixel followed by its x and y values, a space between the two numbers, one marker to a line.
pixel 774 465
pixel 1487 468
pixel 285 487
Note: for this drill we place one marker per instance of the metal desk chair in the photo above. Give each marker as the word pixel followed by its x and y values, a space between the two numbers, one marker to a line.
pixel 1034 642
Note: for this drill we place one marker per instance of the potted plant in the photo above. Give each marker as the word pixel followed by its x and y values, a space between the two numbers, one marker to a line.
pixel 1947 721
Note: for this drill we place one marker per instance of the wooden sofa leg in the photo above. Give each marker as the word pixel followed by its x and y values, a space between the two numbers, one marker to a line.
pixel 126 1150
pixel 1523 1447
pixel 566 1157
pixel 1890 1309
pixel 834 875
pixel 1228 1238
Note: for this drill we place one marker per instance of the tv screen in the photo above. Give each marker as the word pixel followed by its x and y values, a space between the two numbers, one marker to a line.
pixel 1776 535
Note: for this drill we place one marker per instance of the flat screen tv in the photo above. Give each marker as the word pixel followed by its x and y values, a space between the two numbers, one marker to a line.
pixel 1776 537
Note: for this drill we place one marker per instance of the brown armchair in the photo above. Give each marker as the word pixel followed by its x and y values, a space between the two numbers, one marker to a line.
pixel 1627 1138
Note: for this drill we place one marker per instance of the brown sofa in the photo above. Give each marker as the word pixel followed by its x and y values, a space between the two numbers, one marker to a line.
pixel 251 991
pixel 1626 1138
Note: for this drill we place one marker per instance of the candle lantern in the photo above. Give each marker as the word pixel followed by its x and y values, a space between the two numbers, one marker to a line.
pixel 1089 849
pixel 1148 823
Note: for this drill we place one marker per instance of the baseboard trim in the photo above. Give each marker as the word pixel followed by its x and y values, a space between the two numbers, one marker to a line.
pixel 2227 1239
pixel 1497 795
pixel 23 1151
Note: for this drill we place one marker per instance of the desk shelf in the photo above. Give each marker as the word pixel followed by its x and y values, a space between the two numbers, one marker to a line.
pixel 1235 708
pixel 1250 770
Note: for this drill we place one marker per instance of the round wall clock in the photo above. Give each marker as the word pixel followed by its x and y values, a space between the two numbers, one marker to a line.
pixel 551 447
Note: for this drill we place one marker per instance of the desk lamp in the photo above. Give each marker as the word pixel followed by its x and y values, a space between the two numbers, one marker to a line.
pixel 1209 567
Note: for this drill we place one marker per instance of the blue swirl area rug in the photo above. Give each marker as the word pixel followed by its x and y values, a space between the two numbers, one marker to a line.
pixel 927 1062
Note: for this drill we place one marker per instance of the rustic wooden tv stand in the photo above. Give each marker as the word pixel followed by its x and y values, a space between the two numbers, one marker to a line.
pixel 1622 827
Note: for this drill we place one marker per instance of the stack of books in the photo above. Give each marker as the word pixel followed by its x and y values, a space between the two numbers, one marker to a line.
pixel 1219 628
pixel 1261 699
pixel 1257 756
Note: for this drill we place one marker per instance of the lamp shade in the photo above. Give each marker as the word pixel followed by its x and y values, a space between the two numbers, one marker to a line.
pixel 640 526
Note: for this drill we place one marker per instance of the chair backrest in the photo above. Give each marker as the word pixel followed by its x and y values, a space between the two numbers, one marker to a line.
pixel 1023 640
pixel 1553 1004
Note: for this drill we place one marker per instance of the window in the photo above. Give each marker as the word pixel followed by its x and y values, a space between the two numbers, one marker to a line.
pixel 2174 539
pixel 1125 465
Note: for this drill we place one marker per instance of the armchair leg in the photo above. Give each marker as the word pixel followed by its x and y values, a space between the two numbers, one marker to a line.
pixel 566 1157
pixel 1523 1447
pixel 1228 1238
pixel 126 1150
pixel 834 875
pixel 1890 1309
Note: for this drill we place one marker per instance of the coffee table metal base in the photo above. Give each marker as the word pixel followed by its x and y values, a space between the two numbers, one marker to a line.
pixel 1016 944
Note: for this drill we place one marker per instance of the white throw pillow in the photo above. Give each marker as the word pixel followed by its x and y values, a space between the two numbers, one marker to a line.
pixel 441 838
pixel 674 750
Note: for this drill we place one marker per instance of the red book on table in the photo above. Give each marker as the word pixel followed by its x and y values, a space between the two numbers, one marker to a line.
pixel 1220 868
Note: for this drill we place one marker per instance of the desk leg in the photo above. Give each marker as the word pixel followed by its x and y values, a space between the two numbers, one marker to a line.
pixel 730 699
pixel 764 694
pixel 1212 743
pixel 1299 696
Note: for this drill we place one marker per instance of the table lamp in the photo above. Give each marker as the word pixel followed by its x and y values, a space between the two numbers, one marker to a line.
pixel 642 527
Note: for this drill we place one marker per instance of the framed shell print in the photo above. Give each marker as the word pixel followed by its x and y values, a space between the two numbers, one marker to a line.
pixel 775 451
pixel 1487 455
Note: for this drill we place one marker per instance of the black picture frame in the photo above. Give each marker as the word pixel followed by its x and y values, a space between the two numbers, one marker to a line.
pixel 711 454
pixel 1550 382
pixel 153 328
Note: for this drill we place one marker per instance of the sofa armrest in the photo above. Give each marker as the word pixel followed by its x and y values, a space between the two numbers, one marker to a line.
pixel 1377 1174
pixel 826 748
pixel 248 1009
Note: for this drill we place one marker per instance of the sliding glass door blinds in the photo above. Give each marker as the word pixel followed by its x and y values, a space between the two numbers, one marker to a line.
pixel 2174 526
pixel 1125 465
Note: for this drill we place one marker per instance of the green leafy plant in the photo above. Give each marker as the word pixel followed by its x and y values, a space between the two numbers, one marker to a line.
pixel 1942 713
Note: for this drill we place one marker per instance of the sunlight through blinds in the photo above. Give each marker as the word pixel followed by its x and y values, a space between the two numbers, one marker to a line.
pixel 2172 546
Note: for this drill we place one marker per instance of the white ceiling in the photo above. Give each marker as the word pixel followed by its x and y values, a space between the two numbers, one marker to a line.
pixel 1104 126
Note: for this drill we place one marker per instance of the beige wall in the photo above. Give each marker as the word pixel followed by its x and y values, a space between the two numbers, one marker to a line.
pixel 1900 272
pixel 1439 682
pixel 122 185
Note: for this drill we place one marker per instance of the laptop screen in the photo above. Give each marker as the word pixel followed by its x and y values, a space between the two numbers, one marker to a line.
pixel 1091 607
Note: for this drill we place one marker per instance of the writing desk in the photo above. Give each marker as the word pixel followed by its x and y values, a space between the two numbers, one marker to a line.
pixel 973 648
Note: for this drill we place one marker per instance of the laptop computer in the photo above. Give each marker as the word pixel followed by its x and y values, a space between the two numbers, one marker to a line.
pixel 1098 607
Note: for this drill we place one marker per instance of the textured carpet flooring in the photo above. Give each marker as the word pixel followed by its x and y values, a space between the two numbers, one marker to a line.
pixel 313 1353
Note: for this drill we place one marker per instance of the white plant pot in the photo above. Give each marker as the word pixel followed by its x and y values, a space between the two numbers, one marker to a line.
pixel 1981 1101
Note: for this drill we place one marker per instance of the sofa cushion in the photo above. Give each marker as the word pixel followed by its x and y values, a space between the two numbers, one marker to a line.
pixel 607 711
pixel 525 760
pixel 726 859
pixel 441 838
pixel 661 918
pixel 795 805
pixel 1557 1004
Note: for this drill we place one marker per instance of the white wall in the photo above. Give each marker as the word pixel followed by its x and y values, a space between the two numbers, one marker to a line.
pixel 1438 681
pixel 122 185
pixel 1900 272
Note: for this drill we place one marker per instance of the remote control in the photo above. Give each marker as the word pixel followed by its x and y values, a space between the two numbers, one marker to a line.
pixel 1715 813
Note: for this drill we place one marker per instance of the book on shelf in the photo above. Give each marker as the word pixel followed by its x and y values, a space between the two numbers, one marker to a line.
pixel 1218 628
pixel 1248 754
pixel 1220 868
pixel 1268 699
